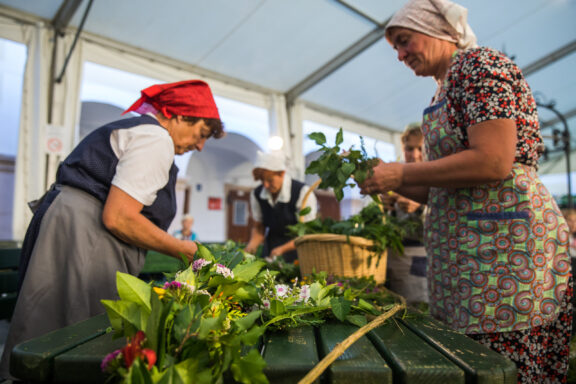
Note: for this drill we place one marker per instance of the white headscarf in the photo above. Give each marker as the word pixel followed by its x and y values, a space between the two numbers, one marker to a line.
pixel 272 161
pixel 442 19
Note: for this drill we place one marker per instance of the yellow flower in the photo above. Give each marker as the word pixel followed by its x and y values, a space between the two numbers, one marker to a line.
pixel 159 291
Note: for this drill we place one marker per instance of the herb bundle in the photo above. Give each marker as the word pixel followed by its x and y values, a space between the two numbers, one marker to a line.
pixel 335 167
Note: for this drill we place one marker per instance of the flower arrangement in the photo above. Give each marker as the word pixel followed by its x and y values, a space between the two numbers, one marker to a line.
pixel 204 324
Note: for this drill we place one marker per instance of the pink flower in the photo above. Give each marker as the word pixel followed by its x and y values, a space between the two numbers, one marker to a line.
pixel 108 359
pixel 304 293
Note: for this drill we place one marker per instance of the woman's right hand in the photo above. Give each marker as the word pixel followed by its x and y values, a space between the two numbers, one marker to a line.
pixel 189 249
pixel 386 177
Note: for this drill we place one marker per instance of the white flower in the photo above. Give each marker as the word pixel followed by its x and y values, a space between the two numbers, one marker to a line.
pixel 282 290
pixel 266 303
pixel 222 270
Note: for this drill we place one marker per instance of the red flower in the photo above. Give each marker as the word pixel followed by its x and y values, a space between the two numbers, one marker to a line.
pixel 134 350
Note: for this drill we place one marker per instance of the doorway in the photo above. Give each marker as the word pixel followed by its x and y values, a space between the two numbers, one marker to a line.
pixel 238 213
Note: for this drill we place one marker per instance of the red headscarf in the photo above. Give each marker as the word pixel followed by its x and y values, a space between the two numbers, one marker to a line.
pixel 184 98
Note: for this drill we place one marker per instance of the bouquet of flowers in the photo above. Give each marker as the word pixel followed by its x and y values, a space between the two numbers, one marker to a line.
pixel 204 325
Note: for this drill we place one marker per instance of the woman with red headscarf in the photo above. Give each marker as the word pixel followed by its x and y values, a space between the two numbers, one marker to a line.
pixel 113 199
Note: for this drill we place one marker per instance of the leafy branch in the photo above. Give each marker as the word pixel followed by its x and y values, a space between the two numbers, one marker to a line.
pixel 335 167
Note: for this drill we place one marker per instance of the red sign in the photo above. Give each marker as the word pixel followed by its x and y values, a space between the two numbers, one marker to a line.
pixel 214 203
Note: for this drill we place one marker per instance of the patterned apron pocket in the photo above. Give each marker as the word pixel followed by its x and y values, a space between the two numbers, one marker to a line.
pixel 495 244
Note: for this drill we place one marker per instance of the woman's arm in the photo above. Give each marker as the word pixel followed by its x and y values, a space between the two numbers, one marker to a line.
pixel 489 158
pixel 122 217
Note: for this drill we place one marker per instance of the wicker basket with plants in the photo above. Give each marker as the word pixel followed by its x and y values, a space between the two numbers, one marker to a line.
pixel 354 247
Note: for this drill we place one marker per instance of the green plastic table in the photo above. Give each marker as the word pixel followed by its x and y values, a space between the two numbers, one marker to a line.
pixel 415 349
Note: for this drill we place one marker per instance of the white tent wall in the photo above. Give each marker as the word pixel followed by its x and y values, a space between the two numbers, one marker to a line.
pixel 36 165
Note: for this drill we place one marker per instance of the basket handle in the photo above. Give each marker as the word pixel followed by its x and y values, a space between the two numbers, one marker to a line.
pixel 305 200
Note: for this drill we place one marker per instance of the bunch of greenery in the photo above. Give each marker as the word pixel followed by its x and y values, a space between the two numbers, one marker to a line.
pixel 370 223
pixel 203 326
pixel 335 167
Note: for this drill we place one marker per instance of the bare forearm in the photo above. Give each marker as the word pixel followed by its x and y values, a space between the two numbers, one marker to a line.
pixel 121 216
pixel 464 169
pixel 141 232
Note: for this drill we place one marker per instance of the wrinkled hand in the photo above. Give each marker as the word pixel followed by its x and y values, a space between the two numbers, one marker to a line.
pixel 386 177
pixel 407 205
pixel 189 248
pixel 388 200
pixel 274 254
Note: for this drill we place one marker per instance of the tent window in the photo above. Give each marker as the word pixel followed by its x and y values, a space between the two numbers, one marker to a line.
pixel 240 213
pixel 12 64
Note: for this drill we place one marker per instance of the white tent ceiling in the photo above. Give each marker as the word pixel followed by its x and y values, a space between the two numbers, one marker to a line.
pixel 328 53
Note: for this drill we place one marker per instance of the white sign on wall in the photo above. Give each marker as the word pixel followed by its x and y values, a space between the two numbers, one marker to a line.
pixel 54 139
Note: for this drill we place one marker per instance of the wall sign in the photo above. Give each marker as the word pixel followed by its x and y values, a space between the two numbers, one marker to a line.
pixel 214 203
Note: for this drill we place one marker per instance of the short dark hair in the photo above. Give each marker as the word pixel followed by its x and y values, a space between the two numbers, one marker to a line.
pixel 260 173
pixel 215 125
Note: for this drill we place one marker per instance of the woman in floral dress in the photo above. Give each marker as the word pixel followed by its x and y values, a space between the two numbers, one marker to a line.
pixel 498 266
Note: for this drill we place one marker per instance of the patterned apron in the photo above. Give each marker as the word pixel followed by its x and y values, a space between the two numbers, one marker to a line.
pixel 497 253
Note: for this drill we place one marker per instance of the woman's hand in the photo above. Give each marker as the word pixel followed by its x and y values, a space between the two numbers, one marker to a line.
pixel 386 177
pixel 189 249
pixel 407 205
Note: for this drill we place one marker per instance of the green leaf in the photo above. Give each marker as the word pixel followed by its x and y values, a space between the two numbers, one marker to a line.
pixel 204 253
pixel 296 313
pixel 138 374
pixel 120 311
pixel 358 320
pixel 366 306
pixel 253 335
pixel 182 373
pixel 318 137
pixel 340 307
pixel 247 272
pixel 211 324
pixel 187 320
pixel 305 211
pixel 277 308
pixel 247 321
pixel 133 289
pixel 187 276
pixel 249 369
pixel 348 169
pixel 339 137
pixel 246 293
pixel 315 289
pixel 157 326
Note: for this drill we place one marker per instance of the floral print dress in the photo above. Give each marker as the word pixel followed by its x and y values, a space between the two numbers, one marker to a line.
pixel 498 261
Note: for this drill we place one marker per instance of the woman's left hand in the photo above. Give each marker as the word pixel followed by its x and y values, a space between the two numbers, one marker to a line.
pixel 386 177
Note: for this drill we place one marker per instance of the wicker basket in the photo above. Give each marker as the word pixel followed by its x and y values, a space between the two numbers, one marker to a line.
pixel 340 255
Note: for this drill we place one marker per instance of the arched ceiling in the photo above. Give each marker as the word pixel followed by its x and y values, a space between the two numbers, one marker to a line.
pixel 329 54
